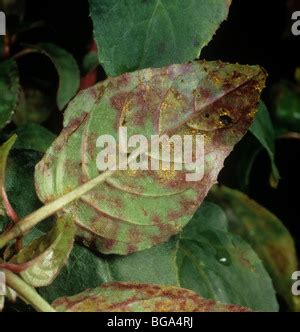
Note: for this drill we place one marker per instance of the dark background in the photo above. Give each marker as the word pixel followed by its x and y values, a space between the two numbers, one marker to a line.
pixel 256 32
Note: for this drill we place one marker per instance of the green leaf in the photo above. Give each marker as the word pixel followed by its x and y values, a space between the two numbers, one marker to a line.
pixel 134 210
pixel 126 297
pixel 34 137
pixel 40 262
pixel 35 106
pixel 88 270
pixel 19 184
pixel 218 265
pixel 137 34
pixel 262 129
pixel 9 87
pixel 201 269
pixel 4 151
pixel 286 107
pixel 90 62
pixel 266 234
pixel 67 69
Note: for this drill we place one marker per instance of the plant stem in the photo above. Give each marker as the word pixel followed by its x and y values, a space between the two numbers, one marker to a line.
pixel 37 216
pixel 27 293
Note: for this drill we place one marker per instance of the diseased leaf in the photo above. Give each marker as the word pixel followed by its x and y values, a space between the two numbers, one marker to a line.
pixel 126 297
pixel 67 69
pixel 266 234
pixel 40 261
pixel 9 87
pixel 34 137
pixel 194 260
pixel 137 34
pixel 262 129
pixel 132 211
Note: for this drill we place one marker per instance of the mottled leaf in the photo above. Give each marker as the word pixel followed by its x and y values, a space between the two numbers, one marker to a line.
pixel 266 234
pixel 9 87
pixel 126 297
pixel 34 137
pixel 67 69
pixel 262 129
pixel 201 269
pixel 40 261
pixel 134 210
pixel 137 34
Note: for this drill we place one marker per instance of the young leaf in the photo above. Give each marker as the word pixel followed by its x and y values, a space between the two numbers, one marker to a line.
pixel 9 87
pixel 4 202
pixel 67 69
pixel 262 129
pixel 19 185
pixel 194 260
pixel 126 297
pixel 136 34
pixel 266 234
pixel 131 211
pixel 40 261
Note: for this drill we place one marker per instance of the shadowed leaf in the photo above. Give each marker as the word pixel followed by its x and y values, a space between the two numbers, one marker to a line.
pixel 9 87
pixel 5 207
pixel 262 129
pixel 126 297
pixel 67 70
pixel 137 34
pixel 286 107
pixel 35 106
pixel 34 137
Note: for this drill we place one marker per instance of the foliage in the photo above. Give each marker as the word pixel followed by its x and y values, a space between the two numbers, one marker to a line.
pixel 139 240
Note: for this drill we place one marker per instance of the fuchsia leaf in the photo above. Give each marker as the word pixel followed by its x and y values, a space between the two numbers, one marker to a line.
pixel 134 210
pixel 126 297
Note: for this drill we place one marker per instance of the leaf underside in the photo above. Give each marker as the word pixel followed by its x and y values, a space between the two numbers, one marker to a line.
pixel 134 210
